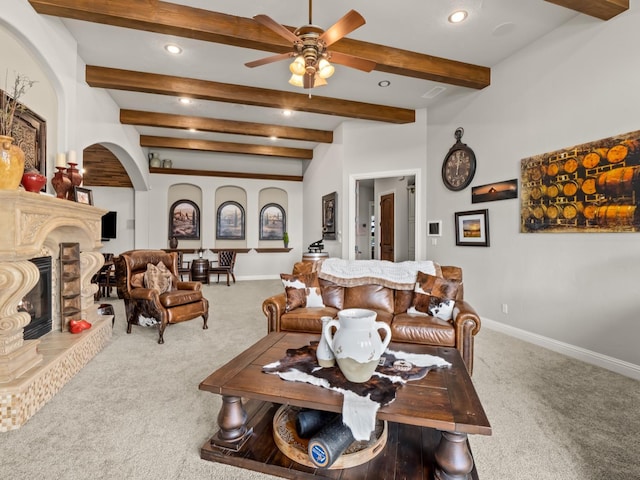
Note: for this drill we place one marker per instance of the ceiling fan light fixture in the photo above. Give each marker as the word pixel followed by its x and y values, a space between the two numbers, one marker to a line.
pixel 298 66
pixel 319 81
pixel 325 69
pixel 296 80
pixel 458 16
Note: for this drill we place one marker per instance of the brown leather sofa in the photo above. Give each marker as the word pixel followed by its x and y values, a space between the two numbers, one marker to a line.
pixel 391 306
pixel 183 302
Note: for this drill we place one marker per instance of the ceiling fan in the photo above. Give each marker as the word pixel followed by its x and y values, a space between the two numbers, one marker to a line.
pixel 311 65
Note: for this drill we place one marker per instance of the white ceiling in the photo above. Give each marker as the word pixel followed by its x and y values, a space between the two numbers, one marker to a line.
pixel 494 30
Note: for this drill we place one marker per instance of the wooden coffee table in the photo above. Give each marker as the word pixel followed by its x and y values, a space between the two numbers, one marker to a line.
pixel 428 422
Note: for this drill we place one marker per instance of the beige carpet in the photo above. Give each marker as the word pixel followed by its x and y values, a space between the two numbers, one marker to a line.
pixel 135 411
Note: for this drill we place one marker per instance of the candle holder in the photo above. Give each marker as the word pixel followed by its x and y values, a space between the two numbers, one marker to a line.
pixel 75 177
pixel 61 183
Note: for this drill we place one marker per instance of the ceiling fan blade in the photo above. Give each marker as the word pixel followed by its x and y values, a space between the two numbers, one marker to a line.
pixel 308 80
pixel 351 61
pixel 267 60
pixel 276 27
pixel 342 27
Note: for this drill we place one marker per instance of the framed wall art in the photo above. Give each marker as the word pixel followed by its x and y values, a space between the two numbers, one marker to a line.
pixel 592 187
pixel 273 222
pixel 184 220
pixel 329 215
pixel 472 228
pixel 83 195
pixel 30 134
pixel 495 191
pixel 230 224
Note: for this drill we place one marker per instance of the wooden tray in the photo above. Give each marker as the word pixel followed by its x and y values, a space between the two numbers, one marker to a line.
pixel 295 448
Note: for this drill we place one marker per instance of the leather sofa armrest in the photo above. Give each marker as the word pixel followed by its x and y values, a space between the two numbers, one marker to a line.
pixel 144 294
pixel 467 324
pixel 195 286
pixel 273 308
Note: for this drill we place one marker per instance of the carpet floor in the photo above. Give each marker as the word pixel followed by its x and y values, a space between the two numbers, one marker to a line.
pixel 135 411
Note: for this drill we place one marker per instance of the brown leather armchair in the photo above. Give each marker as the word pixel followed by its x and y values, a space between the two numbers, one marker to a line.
pixel 184 302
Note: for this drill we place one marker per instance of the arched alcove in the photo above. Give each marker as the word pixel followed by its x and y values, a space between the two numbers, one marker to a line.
pixel 271 202
pixel 186 194
pixel 234 201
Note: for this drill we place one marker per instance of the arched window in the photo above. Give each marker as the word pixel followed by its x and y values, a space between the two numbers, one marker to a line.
pixel 230 225
pixel 273 222
pixel 184 220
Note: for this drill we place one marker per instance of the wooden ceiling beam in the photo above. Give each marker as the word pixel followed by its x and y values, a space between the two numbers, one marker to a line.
pixel 179 20
pixel 211 173
pixel 118 79
pixel 602 9
pixel 225 147
pixel 184 122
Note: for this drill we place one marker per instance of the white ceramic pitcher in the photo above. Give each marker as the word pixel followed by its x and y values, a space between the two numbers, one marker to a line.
pixel 356 344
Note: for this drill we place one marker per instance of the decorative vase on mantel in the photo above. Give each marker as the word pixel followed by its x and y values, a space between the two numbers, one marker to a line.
pixel 173 243
pixel 11 164
pixel 76 179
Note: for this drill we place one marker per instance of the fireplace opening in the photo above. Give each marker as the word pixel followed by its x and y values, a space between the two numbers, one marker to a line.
pixel 37 302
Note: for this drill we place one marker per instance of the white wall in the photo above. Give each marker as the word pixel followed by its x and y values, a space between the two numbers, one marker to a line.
pixel 120 200
pixel 576 85
pixel 364 150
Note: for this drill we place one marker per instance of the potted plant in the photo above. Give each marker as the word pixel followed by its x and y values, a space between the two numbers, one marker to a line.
pixel 285 239
pixel 11 156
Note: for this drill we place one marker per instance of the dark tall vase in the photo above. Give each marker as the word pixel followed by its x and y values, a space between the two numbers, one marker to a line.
pixel 173 242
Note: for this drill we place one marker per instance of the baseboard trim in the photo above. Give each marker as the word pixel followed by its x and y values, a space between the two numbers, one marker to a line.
pixel 615 365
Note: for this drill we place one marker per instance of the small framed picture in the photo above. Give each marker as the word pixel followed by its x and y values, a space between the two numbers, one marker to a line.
pixel 83 195
pixel 472 228
pixel 434 228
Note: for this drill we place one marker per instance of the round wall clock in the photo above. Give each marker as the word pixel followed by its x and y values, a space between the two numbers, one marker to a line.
pixel 459 164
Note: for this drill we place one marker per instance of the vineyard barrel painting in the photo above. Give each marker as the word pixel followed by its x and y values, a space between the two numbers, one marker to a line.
pixel 594 187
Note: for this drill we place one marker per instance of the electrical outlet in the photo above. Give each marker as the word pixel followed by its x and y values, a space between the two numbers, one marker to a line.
pixel 505 308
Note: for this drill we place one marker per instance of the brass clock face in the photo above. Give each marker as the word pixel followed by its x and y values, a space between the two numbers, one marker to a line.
pixel 459 165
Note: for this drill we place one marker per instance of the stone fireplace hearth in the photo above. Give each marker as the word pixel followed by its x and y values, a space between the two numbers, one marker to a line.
pixel 32 371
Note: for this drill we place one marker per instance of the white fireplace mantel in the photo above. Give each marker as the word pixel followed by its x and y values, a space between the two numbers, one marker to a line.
pixel 33 225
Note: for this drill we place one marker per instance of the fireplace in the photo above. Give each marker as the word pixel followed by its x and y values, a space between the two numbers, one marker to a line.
pixel 37 303
pixel 33 370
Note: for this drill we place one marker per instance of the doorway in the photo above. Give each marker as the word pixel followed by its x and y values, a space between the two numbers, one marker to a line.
pixel 365 194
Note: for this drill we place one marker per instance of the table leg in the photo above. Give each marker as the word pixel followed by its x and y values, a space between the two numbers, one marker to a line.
pixel 453 458
pixel 232 420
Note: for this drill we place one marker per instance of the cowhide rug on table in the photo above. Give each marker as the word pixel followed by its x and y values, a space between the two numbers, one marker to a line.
pixel 361 401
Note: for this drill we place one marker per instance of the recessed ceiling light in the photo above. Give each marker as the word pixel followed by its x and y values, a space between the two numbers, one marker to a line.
pixel 287 113
pixel 384 83
pixel 273 138
pixel 173 49
pixel 458 16
pixel 193 130
pixel 185 100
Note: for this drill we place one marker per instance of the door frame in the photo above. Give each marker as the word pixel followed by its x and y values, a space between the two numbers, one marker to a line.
pixel 420 224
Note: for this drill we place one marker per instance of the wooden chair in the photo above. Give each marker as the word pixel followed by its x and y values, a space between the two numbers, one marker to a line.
pixel 184 267
pixel 226 262
pixel 105 278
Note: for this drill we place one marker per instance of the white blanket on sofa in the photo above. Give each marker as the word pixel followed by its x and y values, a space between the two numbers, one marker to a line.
pixel 398 275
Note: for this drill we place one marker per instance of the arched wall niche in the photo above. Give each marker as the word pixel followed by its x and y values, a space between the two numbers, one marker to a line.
pixel 230 193
pixel 277 196
pixel 193 193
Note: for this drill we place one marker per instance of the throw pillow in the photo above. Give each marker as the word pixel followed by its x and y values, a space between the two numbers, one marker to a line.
pixel 158 277
pixel 434 296
pixel 302 290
